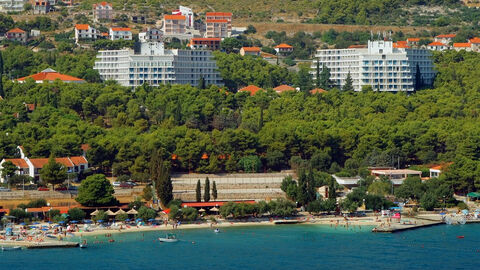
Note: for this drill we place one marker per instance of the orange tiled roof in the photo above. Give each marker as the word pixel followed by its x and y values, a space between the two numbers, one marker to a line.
pixel 82 26
pixel 283 46
pixel 206 39
pixel 224 14
pixel 30 106
pixel 251 49
pixel 462 45
pixel 102 4
pixel 318 91
pixel 446 36
pixel 16 30
pixel 401 45
pixel 50 75
pixel 413 39
pixel 40 162
pixel 77 160
pixel 120 28
pixel 85 147
pixel 174 17
pixel 441 166
pixel 19 162
pixel 253 89
pixel 436 44
pixel 283 88
pixel 357 46
pixel 217 21
pixel 475 40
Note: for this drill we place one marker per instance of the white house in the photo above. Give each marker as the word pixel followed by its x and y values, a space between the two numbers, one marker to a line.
pixel 85 31
pixel 437 46
pixel 118 33
pixel 33 166
pixel 151 35
pixel 445 39
pixel 396 176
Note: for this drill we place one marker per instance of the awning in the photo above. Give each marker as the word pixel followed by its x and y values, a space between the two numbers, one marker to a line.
pixel 132 212
pixel 94 213
pixel 474 194
pixel 109 212
pixel 119 212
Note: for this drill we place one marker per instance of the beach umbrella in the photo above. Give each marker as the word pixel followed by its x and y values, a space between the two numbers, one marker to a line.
pixel 127 219
pixel 201 210
pixel 100 221
pixel 120 212
pixel 87 221
pixel 35 223
pixel 61 222
pixel 443 214
pixel 73 221
pixel 44 229
pixel 150 220
pixel 214 209
pixel 110 213
pixel 138 219
pixel 33 227
pixel 132 212
pixel 23 223
pixel 94 213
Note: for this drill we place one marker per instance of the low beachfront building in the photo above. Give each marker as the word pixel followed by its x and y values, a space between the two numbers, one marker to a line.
pixel 32 166
pixel 437 170
pixel 156 65
pixel 118 33
pixel 397 176
pixel 381 65
pixel 255 51
pixel 462 46
pixel 50 75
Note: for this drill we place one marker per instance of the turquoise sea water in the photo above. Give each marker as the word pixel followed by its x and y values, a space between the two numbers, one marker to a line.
pixel 267 247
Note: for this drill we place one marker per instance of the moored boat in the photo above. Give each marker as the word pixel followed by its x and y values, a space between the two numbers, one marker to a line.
pixel 169 238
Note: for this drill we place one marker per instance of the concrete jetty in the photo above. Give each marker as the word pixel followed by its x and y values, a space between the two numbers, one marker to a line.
pixel 411 224
pixel 38 245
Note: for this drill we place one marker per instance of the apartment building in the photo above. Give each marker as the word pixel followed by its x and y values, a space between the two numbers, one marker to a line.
pixel 175 26
pixel 218 24
pixel 380 66
pixel 151 35
pixel 12 5
pixel 156 65
pixel 188 13
pixel 212 44
pixel 118 33
pixel 103 12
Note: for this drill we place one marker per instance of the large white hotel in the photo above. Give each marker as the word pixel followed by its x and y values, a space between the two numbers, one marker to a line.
pixel 156 65
pixel 381 65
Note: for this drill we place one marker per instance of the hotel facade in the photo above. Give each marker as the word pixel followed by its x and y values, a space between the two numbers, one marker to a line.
pixel 156 65
pixel 381 65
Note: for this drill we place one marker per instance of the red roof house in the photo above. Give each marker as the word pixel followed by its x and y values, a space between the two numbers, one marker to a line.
pixel 51 75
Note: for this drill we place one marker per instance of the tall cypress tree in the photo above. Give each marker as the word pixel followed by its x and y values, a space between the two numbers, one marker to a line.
pixel 348 83
pixel 214 191
pixel 418 79
pixel 2 93
pixel 317 77
pixel 198 192
pixel 325 81
pixel 206 194
pixel 160 174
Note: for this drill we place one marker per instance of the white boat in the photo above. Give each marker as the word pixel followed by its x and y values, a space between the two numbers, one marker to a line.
pixel 11 248
pixel 169 238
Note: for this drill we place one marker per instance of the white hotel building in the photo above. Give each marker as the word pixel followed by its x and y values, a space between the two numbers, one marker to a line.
pixel 382 66
pixel 156 65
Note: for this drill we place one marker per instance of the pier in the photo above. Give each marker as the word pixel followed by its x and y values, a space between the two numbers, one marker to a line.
pixel 412 224
pixel 39 245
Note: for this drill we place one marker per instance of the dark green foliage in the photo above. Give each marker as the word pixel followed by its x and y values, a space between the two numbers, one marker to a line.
pixel 324 79
pixel 348 83
pixel 96 190
pixel 280 207
pixel 147 193
pixel 76 214
pixel 206 193
pixel 160 174
pixel 53 173
pixel 146 213
pixel 214 191
pixel 198 192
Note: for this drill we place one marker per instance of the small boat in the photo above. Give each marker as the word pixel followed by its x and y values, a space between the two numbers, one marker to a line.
pixel 460 237
pixel 11 248
pixel 169 238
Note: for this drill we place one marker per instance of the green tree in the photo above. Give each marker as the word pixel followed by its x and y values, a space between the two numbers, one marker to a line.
pixel 147 193
pixel 198 192
pixel 325 82
pixel 76 214
pixel 8 170
pixel 348 83
pixel 304 81
pixel 101 215
pixel 161 180
pixel 412 188
pixel 380 188
pixel 96 190
pixel 146 213
pixel 206 193
pixel 230 44
pixel 2 92
pixel 317 74
pixel 429 201
pixel 418 78
pixel 53 173
pixel 214 191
